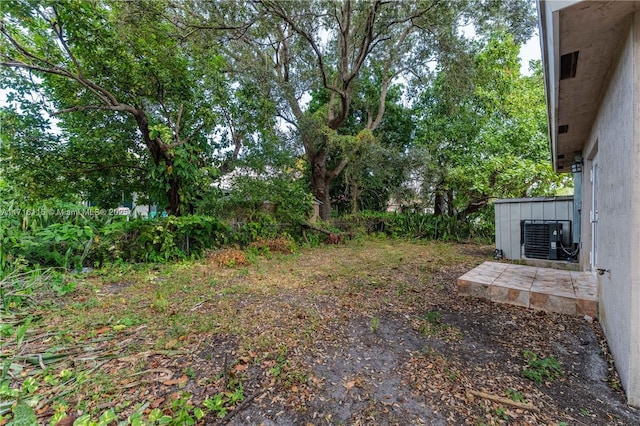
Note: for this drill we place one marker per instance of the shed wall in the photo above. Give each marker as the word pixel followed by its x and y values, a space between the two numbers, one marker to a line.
pixel 510 212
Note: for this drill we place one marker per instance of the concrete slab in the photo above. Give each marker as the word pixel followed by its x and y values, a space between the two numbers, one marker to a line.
pixel 552 290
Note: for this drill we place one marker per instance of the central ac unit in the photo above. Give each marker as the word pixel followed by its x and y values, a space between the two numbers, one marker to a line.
pixel 542 240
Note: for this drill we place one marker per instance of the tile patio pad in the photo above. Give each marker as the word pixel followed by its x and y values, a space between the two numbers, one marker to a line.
pixel 552 290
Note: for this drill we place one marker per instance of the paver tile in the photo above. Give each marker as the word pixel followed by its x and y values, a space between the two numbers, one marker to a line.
pixel 560 287
pixel 553 290
pixel 552 303
pixel 587 307
pixel 470 288
pixel 511 280
pixel 511 296
pixel 585 285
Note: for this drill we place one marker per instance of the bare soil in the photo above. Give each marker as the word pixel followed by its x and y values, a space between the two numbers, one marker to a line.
pixel 371 332
pixel 395 374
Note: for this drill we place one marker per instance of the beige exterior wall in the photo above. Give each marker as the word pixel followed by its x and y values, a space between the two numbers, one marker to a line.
pixel 633 386
pixel 614 144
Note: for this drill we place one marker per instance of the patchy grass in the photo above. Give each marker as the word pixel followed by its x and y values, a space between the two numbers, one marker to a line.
pixel 203 341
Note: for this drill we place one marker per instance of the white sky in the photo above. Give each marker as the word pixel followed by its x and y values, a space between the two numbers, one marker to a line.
pixel 530 50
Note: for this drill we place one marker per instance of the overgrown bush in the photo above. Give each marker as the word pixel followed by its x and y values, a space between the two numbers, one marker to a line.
pixel 160 240
pixel 413 225
pixel 72 236
pixel 49 234
pixel 483 224
pixel 282 244
pixel 284 201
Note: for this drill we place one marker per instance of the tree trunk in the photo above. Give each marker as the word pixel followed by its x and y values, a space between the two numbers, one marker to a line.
pixel 474 207
pixel 173 195
pixel 320 183
pixel 159 152
pixel 438 204
pixel 450 209
pixel 355 195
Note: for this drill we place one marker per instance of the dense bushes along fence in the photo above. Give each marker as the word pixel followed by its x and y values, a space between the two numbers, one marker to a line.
pixel 424 226
pixel 83 238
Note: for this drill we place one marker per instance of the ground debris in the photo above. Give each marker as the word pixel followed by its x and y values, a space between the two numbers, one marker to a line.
pixel 368 332
pixel 500 400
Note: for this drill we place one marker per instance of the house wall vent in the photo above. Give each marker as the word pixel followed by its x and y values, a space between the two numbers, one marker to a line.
pixel 568 65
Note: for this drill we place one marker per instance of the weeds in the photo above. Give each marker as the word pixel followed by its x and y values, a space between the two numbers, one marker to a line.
pixel 164 307
pixel 501 412
pixel 375 323
pixel 514 395
pixel 23 289
pixel 281 362
pixel 432 323
pixel 540 370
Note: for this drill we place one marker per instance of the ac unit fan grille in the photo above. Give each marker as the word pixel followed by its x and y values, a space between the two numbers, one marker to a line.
pixel 537 240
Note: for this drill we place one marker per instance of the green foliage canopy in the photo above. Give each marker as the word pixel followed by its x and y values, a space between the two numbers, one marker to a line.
pixel 489 140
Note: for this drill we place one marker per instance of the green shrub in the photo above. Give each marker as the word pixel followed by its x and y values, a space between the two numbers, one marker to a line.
pixel 160 240
pixel 49 234
pixel 71 237
pixel 283 200
pixel 414 225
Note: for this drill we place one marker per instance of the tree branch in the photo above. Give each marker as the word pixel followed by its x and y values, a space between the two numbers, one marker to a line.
pixel 177 125
pixel 57 29
pixel 365 43
pixel 100 167
pixel 21 48
pixel 332 174
pixel 386 80
pixel 274 7
pixel 119 107
pixel 181 142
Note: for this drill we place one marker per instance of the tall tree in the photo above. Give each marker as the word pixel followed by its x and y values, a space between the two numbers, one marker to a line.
pixel 378 166
pixel 41 163
pixel 128 60
pixel 488 140
pixel 297 47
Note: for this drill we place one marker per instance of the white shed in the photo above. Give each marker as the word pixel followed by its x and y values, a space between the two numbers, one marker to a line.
pixel 535 228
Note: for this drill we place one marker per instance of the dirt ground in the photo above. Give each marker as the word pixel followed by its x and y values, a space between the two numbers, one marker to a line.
pixel 397 374
pixel 370 332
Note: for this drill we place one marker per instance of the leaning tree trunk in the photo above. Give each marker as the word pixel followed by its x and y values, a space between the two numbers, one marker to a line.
pixel 438 204
pixel 355 196
pixel 159 153
pixel 173 195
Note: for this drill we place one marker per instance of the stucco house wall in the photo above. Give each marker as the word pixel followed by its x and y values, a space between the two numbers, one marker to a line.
pixel 613 146
pixel 591 59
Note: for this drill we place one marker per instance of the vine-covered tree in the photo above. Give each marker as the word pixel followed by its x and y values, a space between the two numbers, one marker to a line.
pixel 162 94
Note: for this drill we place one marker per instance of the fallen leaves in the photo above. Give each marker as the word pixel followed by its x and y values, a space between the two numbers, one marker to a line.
pixel 240 367
pixel 349 385
pixel 228 257
pixel 306 307
pixel 180 381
